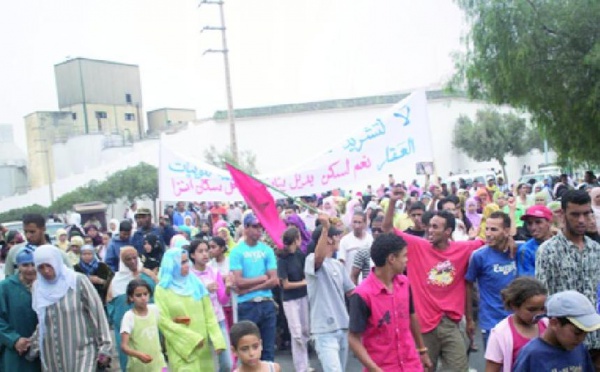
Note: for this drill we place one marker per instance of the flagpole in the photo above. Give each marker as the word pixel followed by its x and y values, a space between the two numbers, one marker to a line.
pixel 303 204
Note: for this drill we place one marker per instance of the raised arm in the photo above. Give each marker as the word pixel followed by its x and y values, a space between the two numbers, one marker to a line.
pixel 321 251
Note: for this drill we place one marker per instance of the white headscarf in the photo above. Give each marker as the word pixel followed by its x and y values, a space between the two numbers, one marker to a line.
pixel 46 292
pixel 116 230
pixel 593 194
pixel 123 277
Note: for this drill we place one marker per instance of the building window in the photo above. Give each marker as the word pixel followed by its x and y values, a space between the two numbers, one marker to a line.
pixel 127 97
pixel 101 115
pixel 129 117
pixel 74 115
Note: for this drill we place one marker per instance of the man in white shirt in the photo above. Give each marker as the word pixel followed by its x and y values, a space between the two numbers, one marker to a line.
pixel 355 241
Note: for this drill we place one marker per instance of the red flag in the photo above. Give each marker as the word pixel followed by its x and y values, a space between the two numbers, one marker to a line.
pixel 258 198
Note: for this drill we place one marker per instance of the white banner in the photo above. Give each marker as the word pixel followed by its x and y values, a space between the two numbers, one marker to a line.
pixel 393 143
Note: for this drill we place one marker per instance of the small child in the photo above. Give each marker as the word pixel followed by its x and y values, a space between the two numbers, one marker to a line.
pixel 139 330
pixel 246 344
pixel 561 348
pixel 525 297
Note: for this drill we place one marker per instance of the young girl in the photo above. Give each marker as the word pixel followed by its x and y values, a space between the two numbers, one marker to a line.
pixel 526 297
pixel 139 330
pixel 290 269
pixel 219 261
pixel 219 292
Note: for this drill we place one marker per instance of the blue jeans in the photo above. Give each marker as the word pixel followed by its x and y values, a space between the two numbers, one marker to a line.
pixel 332 350
pixel 225 361
pixel 263 314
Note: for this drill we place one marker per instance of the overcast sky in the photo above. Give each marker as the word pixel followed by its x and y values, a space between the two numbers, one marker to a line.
pixel 281 51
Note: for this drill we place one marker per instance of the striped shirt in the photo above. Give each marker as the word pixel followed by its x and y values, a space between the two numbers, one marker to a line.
pixel 76 331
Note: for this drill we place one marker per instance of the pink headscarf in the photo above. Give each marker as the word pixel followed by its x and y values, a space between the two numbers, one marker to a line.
pixel 350 206
pixel 217 225
pixel 329 206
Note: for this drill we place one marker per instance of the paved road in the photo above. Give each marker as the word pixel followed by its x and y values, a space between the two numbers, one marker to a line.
pixel 284 358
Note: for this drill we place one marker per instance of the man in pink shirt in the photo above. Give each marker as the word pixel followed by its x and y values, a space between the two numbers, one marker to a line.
pixel 436 272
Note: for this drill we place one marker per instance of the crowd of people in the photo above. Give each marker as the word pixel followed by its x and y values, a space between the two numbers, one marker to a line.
pixel 401 276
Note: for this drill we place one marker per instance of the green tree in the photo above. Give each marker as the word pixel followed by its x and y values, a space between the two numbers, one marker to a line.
pixel 17 214
pixel 133 183
pixel 542 56
pixel 494 136
pixel 247 159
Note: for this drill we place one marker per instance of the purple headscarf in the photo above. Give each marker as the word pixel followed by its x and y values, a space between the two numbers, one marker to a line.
pixel 475 218
pixel 295 220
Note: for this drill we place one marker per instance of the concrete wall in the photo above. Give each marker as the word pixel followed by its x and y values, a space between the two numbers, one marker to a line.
pixel 42 129
pixel 78 154
pixel 114 122
pixel 14 181
pixel 101 82
pixel 159 120
pixel 280 143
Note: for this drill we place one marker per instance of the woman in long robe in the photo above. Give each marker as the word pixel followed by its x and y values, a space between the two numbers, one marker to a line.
pixel 18 321
pixel 187 319
pixel 130 267
pixel 73 333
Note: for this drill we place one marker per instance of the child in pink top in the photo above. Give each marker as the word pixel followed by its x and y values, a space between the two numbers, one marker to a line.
pixel 219 292
pixel 526 297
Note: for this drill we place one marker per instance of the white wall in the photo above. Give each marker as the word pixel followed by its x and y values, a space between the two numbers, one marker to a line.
pixel 280 142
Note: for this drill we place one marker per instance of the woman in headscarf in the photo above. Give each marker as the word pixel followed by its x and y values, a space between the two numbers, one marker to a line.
pixel 296 221
pixel 92 232
pixel 101 249
pixel 130 267
pixel 595 196
pixel 483 197
pixel 487 212
pixel 471 212
pixel 189 222
pixel 62 239
pixel 97 272
pixel 225 234
pixel 153 253
pixel 73 333
pixel 186 231
pixel 17 318
pixel 187 318
pixel 113 227
pixel 330 206
pixel 351 206
pixel 217 226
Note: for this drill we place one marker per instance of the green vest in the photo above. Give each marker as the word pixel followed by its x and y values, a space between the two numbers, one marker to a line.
pixel 144 338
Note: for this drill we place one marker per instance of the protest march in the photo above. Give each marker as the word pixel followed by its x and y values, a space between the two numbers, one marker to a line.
pixel 406 274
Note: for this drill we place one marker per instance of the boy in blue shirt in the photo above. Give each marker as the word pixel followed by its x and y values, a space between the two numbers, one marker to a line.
pixel 493 269
pixel 254 268
pixel 561 348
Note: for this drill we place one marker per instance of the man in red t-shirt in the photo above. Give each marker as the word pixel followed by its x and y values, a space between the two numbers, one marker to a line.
pixel 436 272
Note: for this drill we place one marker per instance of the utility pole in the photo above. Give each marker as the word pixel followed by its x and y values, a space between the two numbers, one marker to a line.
pixel 225 52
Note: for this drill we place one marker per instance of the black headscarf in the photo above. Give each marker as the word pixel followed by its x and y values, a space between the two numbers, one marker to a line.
pixel 152 259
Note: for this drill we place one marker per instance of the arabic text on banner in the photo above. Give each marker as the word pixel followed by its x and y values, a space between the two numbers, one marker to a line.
pixel 392 143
